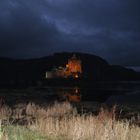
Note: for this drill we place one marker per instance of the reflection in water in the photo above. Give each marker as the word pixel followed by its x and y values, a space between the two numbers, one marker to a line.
pixel 72 95
pixel 97 92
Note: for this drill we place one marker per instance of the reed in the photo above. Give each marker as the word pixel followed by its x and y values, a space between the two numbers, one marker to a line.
pixel 61 121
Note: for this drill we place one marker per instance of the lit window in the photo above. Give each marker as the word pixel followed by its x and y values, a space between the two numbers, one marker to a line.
pixel 76 76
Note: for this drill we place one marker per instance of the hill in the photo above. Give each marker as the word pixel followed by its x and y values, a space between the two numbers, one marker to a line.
pixel 13 71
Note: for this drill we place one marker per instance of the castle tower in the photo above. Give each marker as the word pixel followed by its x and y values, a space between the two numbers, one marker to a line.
pixel 74 67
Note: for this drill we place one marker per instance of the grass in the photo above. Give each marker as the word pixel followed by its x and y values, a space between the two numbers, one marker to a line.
pixel 61 121
pixel 21 133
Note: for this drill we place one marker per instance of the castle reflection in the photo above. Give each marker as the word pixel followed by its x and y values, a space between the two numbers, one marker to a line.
pixel 71 95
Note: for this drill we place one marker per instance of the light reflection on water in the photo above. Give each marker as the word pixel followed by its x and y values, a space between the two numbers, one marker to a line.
pixel 71 95
pixel 100 92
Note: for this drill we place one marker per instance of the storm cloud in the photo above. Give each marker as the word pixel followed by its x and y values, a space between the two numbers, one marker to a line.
pixel 35 28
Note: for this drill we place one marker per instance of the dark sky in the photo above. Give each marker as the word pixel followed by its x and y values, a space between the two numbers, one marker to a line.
pixel 35 28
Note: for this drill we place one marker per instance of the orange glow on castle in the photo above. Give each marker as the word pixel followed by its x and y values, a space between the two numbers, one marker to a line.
pixel 72 69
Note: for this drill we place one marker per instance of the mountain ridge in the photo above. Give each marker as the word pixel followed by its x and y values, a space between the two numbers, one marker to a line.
pixel 33 70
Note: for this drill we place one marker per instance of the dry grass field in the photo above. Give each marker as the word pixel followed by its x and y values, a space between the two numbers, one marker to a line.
pixel 61 121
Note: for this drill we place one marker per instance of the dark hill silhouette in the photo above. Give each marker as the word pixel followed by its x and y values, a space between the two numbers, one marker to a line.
pixel 20 72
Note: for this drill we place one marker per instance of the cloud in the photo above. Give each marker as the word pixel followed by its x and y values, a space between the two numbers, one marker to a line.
pixel 37 28
pixel 23 33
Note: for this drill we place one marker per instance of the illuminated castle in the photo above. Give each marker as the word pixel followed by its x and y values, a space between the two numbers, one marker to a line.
pixel 73 69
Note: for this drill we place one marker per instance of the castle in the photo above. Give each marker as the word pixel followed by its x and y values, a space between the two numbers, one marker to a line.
pixel 72 69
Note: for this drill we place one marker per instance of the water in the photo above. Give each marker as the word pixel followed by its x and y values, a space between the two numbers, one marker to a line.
pixel 116 92
pixel 102 91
